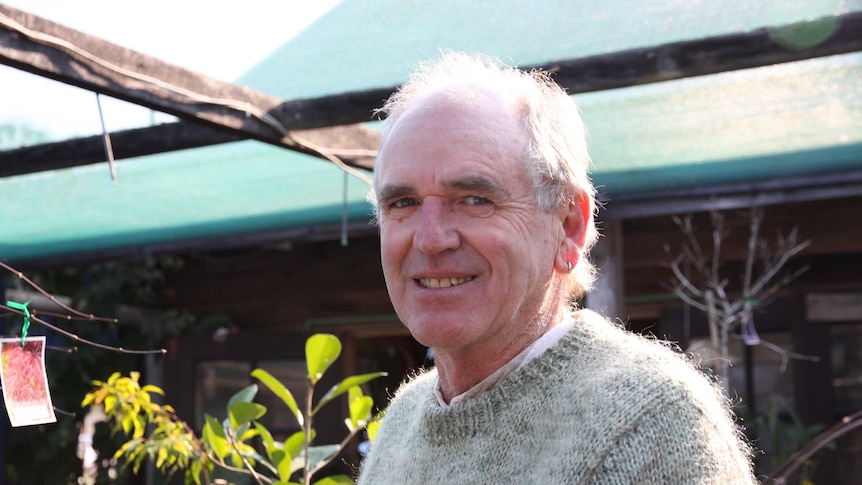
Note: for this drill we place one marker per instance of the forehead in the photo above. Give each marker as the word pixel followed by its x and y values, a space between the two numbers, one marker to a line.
pixel 449 136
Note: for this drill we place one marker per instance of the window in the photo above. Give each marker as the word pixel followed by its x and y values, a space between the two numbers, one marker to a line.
pixel 218 380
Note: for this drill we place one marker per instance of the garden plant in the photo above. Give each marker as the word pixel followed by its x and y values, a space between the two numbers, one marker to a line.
pixel 239 443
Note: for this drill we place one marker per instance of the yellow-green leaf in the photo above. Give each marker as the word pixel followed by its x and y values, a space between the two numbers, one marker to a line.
pixel 162 456
pixel 360 410
pixel 268 442
pixel 127 424
pixel 374 425
pixel 345 385
pixel 321 350
pixel 294 444
pixel 110 404
pixel 279 390
pixel 244 395
pixel 242 413
pixel 214 437
pixel 153 389
pixel 335 480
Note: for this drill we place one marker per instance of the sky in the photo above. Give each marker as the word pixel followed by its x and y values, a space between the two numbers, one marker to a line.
pixel 219 39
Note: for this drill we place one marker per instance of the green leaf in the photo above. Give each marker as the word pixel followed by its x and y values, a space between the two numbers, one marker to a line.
pixel 195 472
pixel 344 386
pixel 248 434
pixel 214 437
pixel 294 444
pixel 286 466
pixel 245 395
pixel 242 413
pixel 316 454
pixel 268 443
pixel 321 350
pixel 279 390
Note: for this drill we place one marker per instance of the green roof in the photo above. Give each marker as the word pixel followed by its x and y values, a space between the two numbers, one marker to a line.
pixel 791 119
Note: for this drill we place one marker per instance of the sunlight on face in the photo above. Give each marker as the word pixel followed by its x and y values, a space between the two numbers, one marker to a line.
pixel 466 254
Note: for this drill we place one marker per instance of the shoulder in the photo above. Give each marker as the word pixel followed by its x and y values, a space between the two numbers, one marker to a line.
pixel 628 375
pixel 674 413
pixel 612 351
pixel 413 394
pixel 420 384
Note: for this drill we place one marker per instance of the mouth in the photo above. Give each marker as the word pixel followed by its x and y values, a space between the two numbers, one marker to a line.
pixel 444 282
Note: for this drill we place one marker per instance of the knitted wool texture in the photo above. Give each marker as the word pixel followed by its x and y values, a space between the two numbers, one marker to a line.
pixel 602 406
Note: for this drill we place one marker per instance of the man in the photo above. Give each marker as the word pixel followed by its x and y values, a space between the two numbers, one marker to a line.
pixel 485 211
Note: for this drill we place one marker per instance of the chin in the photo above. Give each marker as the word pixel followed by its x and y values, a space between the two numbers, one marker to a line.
pixel 437 331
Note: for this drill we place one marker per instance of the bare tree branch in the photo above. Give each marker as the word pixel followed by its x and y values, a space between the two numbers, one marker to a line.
pixel 762 277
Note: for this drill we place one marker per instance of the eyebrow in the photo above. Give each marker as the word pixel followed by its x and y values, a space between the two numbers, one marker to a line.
pixel 393 191
pixel 477 184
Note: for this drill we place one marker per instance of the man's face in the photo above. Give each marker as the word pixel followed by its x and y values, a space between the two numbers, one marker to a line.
pixel 468 258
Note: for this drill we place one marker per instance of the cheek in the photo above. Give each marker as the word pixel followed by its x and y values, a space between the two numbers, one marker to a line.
pixel 392 248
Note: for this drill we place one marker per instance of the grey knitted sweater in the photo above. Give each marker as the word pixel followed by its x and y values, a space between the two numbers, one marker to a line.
pixel 602 406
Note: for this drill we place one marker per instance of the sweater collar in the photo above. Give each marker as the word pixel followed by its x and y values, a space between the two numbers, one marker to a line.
pixel 457 422
pixel 543 343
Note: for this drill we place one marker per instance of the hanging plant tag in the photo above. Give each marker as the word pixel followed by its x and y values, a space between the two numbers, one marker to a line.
pixel 24 381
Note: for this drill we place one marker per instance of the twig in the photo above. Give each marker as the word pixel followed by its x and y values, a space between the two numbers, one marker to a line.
pixel 341 446
pixel 77 316
pixel 248 465
pixel 57 302
pixel 76 338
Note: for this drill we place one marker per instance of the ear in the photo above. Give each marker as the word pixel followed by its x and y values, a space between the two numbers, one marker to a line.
pixel 574 217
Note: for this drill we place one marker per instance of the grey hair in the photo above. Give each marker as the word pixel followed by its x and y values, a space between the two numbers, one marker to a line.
pixel 556 157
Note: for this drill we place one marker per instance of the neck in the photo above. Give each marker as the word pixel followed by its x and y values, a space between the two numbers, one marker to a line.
pixel 460 369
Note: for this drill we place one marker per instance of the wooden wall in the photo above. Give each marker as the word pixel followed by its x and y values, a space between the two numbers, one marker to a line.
pixel 288 286
pixel 834 228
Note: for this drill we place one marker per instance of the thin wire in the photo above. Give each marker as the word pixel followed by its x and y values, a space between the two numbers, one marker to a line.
pixel 109 150
pixel 344 212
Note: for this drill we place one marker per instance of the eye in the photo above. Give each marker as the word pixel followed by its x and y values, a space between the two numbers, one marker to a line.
pixel 476 200
pixel 476 206
pixel 403 202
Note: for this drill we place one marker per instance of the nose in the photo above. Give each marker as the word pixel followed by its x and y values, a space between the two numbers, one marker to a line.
pixel 436 232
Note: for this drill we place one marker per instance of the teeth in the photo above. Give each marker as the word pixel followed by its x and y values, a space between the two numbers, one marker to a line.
pixel 444 282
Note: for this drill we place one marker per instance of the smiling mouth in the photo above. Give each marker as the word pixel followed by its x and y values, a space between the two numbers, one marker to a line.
pixel 443 282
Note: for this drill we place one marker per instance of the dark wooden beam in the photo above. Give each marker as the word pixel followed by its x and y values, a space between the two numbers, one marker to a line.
pixel 48 49
pixel 615 70
pixel 711 55
pixel 761 47
pixel 139 142
pixel 126 144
